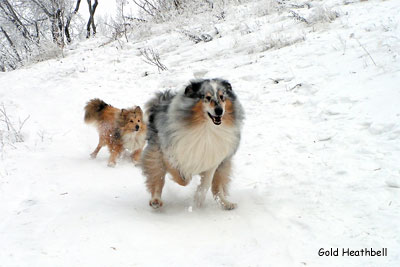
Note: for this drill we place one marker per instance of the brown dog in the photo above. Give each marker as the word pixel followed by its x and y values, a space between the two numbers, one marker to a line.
pixel 118 129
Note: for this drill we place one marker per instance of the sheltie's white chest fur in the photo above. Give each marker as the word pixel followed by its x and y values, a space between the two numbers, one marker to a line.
pixel 133 141
pixel 197 149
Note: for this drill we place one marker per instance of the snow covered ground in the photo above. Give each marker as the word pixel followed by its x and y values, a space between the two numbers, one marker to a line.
pixel 318 165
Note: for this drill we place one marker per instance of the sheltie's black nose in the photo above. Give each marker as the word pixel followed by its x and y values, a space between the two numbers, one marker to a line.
pixel 218 111
pixel 137 127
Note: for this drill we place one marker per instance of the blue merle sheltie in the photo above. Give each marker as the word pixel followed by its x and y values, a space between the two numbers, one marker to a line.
pixel 195 131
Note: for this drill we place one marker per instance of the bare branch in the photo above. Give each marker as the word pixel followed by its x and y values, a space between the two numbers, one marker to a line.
pixel 69 18
pixel 11 44
pixel 10 127
pixel 366 51
pixel 151 57
pixel 296 16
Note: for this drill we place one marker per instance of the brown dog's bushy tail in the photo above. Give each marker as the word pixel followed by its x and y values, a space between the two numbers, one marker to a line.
pixel 94 109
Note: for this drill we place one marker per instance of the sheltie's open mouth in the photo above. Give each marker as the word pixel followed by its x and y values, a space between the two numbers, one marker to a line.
pixel 216 119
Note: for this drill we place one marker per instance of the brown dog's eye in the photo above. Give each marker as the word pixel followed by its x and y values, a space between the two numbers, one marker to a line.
pixel 131 121
pixel 208 98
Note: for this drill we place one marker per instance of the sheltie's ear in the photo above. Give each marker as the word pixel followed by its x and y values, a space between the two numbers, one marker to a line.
pixel 228 88
pixel 124 112
pixel 138 109
pixel 193 88
pixel 227 85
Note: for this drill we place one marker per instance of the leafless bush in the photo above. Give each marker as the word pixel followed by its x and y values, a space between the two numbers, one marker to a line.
pixel 197 38
pixel 26 27
pixel 323 14
pixel 266 7
pixel 117 31
pixel 318 13
pixel 122 23
pixel 11 132
pixel 46 51
pixel 296 16
pixel 158 9
pixel 165 10
pixel 192 37
pixel 278 41
pixel 151 57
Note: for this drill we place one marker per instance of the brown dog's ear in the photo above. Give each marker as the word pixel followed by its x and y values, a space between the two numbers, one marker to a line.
pixel 124 112
pixel 138 109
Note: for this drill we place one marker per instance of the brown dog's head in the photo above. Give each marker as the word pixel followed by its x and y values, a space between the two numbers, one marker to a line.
pixel 131 120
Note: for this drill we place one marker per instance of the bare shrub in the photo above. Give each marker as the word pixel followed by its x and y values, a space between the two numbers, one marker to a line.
pixel 197 38
pixel 298 17
pixel 322 14
pixel 151 57
pixel 276 41
pixel 159 10
pixel 47 50
pixel 10 132
pixel 28 25
pixel 165 10
pixel 266 7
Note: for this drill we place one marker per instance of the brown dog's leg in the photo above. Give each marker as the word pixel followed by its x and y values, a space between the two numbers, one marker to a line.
pixel 220 183
pixel 136 155
pixel 115 150
pixel 154 169
pixel 99 146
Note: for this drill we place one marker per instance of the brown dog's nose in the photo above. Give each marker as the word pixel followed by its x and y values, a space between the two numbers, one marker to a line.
pixel 137 127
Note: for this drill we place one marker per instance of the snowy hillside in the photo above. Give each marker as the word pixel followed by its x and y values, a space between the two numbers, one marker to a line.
pixel 318 165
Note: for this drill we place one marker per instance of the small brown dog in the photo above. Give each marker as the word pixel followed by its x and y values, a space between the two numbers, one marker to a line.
pixel 118 129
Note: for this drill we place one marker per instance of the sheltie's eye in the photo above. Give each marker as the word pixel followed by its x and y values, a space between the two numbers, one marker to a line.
pixel 138 121
pixel 208 98
pixel 131 121
pixel 222 97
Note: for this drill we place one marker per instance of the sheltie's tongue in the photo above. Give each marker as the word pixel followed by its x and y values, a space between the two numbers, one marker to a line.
pixel 216 119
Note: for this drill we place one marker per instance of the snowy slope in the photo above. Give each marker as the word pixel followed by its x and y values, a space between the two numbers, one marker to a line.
pixel 318 165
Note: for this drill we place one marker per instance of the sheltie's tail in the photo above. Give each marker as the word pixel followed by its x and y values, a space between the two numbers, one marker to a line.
pixel 94 110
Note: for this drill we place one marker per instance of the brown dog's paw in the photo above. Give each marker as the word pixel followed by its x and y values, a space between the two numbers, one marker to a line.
pixel 156 203
pixel 137 164
pixel 93 155
pixel 111 164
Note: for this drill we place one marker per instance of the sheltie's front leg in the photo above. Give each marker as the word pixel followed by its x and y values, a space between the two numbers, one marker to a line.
pixel 202 189
pixel 99 146
pixel 220 185
pixel 136 156
pixel 115 151
pixel 176 175
pixel 154 170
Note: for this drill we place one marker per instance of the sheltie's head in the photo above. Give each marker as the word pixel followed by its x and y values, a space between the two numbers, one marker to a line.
pixel 131 120
pixel 214 100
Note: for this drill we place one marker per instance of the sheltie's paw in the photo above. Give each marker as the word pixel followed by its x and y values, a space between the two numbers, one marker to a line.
pixel 111 164
pixel 199 199
pixel 93 155
pixel 228 205
pixel 225 204
pixel 156 203
pixel 137 163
